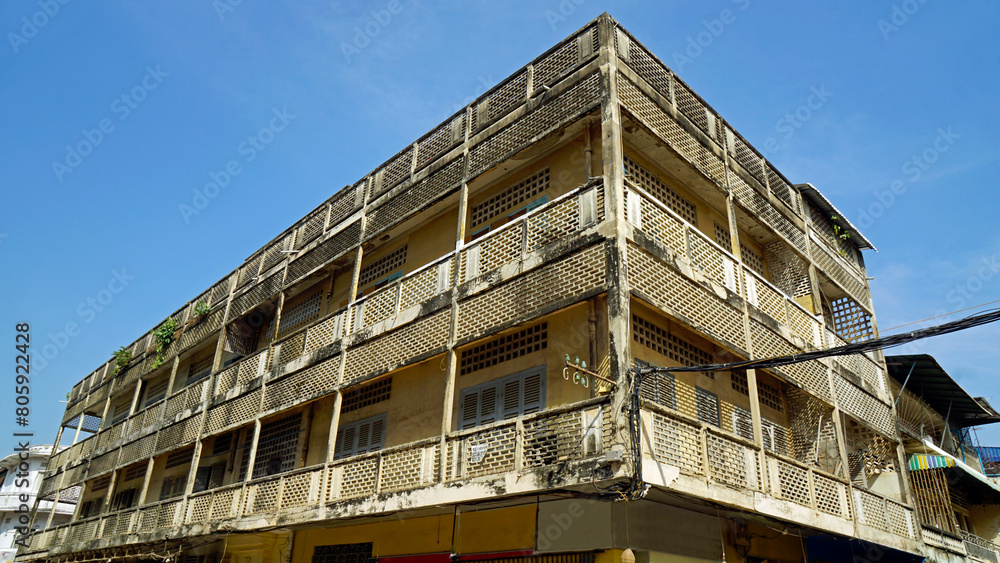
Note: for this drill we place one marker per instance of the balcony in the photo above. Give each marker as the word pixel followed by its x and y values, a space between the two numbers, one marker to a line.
pixel 965 543
pixel 413 309
pixel 689 456
pixel 979 548
pixel 517 455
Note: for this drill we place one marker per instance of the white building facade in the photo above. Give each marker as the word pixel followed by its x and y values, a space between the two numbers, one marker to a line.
pixel 20 476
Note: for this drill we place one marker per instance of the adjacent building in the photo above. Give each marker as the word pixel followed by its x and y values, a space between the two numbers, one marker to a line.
pixel 958 505
pixel 436 364
pixel 20 477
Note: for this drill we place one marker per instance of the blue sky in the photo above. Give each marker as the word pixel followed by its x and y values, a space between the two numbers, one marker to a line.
pixel 168 94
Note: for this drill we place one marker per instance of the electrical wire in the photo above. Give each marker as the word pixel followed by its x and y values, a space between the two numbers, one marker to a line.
pixel 636 487
pixel 882 343
pixel 939 316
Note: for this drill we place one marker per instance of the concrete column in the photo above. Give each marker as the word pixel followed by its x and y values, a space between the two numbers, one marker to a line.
pixel 79 427
pixel 612 152
pixel 55 446
pixel 135 401
pixel 193 471
pixel 451 367
pixel 111 490
pixel 145 482
pixel 338 400
pixel 253 450
pixel 352 294
pixel 754 397
pixel 277 316
pixel 173 375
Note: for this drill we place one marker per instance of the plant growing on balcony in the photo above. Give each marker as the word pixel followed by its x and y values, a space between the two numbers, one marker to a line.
pixel 164 335
pixel 201 309
pixel 839 234
pixel 122 357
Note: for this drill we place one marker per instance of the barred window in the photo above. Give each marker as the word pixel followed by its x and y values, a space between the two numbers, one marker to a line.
pixel 200 369
pixel 503 348
pixel 670 345
pixel 301 313
pixel 101 483
pixel 738 378
pixel 223 443
pixel 180 457
pixel 383 266
pixel 667 196
pixel 155 392
pixel 750 257
pixel 137 471
pixel 510 197
pixel 276 447
pixel 723 238
pixel 342 553
pixel 708 406
pixel 366 395
pixel 660 388
pixel 769 395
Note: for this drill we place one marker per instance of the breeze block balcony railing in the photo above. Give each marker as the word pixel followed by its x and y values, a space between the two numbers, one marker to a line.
pixel 522 446
pixel 966 544
pixel 706 456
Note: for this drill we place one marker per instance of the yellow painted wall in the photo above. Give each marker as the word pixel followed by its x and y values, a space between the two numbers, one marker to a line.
pixel 184 368
pixel 341 287
pixel 767 543
pixel 90 494
pixel 160 473
pixel 568 333
pixel 567 171
pixel 260 547
pixel 425 243
pixel 477 531
pixel 496 530
pixel 415 403
pixel 986 521
pixel 390 536
pixel 319 436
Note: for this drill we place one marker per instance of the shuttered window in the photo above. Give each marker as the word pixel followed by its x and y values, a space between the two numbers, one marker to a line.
pixel 173 486
pixel 199 369
pixel 775 435
pixel 121 409
pixel 708 406
pixel 209 477
pixel 367 435
pixel 155 392
pixel 509 397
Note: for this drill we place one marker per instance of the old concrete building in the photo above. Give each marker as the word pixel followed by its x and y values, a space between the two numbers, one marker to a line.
pixel 434 364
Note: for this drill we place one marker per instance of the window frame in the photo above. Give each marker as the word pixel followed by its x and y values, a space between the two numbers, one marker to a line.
pixel 499 388
pixel 341 451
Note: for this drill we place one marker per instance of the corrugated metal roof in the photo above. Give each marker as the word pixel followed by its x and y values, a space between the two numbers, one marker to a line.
pixel 930 382
pixel 823 204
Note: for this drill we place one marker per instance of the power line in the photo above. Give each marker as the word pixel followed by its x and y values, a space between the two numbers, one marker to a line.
pixel 636 488
pixel 941 315
pixel 846 350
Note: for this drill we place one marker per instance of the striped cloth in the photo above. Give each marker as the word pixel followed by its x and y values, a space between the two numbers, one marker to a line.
pixel 927 461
